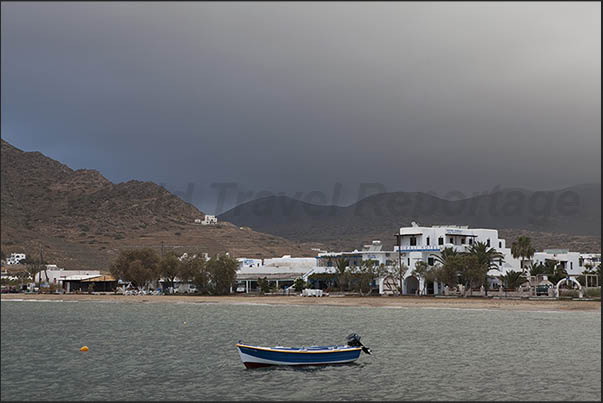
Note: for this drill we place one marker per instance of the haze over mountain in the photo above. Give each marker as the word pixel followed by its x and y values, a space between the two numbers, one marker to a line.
pixel 296 96
pixel 561 217
pixel 81 220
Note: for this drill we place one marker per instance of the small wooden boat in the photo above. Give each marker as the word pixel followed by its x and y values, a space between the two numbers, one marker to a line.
pixel 256 356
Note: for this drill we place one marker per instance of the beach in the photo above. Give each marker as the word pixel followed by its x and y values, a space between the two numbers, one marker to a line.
pixel 352 301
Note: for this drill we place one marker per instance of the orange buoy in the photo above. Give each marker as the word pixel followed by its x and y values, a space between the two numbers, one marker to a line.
pixel 85 348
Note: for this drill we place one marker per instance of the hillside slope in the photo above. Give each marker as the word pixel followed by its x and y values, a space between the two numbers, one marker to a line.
pixel 81 220
pixel 563 218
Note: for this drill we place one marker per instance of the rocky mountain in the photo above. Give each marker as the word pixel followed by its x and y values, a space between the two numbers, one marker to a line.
pixel 562 218
pixel 79 219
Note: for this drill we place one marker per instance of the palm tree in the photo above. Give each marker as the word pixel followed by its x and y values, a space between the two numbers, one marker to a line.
pixel 447 262
pixel 522 249
pixel 554 271
pixel 512 279
pixel 341 265
pixel 536 269
pixel 444 255
pixel 486 257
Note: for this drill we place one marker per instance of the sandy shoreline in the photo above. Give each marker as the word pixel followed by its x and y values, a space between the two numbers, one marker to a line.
pixel 387 302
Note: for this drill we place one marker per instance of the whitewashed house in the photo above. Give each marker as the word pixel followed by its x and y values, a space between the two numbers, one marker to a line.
pixel 209 220
pixel 15 258
pixel 249 262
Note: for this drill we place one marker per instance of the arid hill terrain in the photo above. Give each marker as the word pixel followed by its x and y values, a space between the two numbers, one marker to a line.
pixel 81 220
pixel 567 218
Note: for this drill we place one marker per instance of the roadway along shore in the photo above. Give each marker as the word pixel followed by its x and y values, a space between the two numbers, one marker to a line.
pixel 387 302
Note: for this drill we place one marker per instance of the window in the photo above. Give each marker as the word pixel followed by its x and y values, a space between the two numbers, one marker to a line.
pixel 413 241
pixel 488 242
pixel 580 262
pixel 430 261
pixel 470 241
pixel 451 240
pixel 409 262
pixel 462 241
pixel 427 241
pixel 571 265
pixel 440 241
pixel 500 244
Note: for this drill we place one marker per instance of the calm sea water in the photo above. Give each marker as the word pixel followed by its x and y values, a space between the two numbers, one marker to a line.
pixel 186 352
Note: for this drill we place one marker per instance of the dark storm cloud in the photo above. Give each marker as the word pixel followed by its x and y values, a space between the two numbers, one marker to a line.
pixel 298 96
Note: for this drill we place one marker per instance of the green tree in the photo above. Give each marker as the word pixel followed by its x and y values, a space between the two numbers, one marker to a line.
pixel 512 279
pixel 537 269
pixel 428 273
pixel 522 249
pixel 554 271
pixel 486 257
pixel 264 285
pixel 222 274
pixel 367 272
pixel 193 268
pixel 450 268
pixel 341 267
pixel 299 284
pixel 170 268
pixel 444 255
pixel 396 273
pixel 139 266
pixel 472 271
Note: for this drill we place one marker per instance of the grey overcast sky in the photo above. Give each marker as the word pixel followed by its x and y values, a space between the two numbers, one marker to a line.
pixel 295 97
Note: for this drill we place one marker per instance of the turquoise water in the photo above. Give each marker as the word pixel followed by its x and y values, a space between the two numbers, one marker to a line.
pixel 142 351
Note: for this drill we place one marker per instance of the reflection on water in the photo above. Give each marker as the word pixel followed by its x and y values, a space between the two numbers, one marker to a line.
pixel 187 352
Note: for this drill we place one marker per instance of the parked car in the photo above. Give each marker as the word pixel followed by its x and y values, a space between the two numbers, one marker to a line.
pixel 542 289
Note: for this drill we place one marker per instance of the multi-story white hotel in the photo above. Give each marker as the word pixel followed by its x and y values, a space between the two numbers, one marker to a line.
pixel 418 243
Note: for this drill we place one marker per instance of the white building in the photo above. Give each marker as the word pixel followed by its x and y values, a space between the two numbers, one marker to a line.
pixel 248 262
pixel 574 263
pixel 590 259
pixel 282 276
pixel 423 244
pixel 57 276
pixel 288 261
pixel 417 244
pixel 185 256
pixel 15 258
pixel 209 220
pixel 420 243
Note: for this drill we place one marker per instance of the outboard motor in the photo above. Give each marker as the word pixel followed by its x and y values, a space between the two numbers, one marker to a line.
pixel 354 341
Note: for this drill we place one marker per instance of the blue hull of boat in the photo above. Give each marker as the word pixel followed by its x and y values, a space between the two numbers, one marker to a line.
pixel 254 356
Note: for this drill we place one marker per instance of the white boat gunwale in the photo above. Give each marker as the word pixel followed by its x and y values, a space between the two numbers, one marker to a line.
pixel 302 351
